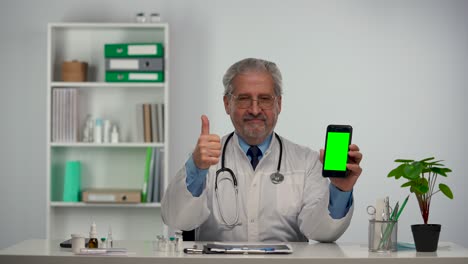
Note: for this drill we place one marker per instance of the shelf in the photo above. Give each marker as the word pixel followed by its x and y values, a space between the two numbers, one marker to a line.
pixel 108 84
pixel 105 205
pixel 109 25
pixel 104 165
pixel 106 145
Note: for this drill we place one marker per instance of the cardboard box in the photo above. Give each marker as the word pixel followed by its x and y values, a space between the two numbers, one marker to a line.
pixel 111 196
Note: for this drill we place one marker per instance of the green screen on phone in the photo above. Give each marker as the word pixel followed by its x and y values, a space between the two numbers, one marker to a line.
pixel 336 151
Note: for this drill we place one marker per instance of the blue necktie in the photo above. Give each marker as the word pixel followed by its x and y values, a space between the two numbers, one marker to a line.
pixel 254 152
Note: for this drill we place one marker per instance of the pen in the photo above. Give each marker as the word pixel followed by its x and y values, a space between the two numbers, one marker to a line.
pixel 193 251
pixel 395 211
pixel 386 213
pixel 103 251
pixel 268 249
pixel 402 207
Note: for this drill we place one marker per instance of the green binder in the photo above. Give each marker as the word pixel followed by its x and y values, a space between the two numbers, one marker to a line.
pixel 134 76
pixel 144 190
pixel 125 50
pixel 72 181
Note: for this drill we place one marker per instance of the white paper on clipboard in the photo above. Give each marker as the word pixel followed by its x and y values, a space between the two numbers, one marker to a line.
pixel 247 248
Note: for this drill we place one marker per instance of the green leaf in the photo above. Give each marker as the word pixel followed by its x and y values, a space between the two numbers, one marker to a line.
pixel 446 190
pixel 420 186
pixel 441 171
pixel 406 184
pixel 425 170
pixel 403 160
pixel 420 189
pixel 436 163
pixel 426 159
pixel 397 172
pixel 413 170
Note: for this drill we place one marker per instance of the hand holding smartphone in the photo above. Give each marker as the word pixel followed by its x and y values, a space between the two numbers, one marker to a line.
pixel 335 156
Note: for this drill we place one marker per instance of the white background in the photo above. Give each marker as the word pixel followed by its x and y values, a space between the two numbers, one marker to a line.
pixel 395 70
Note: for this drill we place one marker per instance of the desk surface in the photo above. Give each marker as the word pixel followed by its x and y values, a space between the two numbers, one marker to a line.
pixel 48 251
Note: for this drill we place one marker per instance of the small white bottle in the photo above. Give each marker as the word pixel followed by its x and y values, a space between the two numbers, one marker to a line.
pixel 107 131
pixel 88 130
pixel 103 243
pixel 140 18
pixel 98 131
pixel 179 244
pixel 91 129
pixel 155 18
pixel 114 135
pixel 110 240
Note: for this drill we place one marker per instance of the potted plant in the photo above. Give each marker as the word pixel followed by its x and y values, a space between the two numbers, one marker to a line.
pixel 421 177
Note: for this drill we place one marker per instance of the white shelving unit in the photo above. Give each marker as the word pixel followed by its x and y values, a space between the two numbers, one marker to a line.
pixel 106 165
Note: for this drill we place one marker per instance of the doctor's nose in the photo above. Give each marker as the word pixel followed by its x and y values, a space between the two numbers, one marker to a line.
pixel 254 107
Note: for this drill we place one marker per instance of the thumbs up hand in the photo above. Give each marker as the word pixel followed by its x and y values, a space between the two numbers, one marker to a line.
pixel 208 147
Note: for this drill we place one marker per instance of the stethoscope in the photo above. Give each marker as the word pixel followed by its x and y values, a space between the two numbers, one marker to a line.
pixel 275 177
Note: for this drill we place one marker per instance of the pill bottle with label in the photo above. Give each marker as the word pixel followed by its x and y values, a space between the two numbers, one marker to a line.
pixel 93 241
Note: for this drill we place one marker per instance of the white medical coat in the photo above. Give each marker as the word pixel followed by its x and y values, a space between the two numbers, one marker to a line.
pixel 293 210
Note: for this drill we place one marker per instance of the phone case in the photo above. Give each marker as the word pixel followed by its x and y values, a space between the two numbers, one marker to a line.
pixel 338 129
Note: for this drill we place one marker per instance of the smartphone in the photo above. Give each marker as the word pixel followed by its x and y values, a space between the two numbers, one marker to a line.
pixel 335 156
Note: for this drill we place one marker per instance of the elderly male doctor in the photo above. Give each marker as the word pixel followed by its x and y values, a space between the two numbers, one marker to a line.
pixel 293 204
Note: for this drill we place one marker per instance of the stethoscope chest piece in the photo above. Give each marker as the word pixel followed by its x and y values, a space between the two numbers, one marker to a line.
pixel 276 178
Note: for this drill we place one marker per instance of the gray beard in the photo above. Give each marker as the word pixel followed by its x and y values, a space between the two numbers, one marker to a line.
pixel 253 131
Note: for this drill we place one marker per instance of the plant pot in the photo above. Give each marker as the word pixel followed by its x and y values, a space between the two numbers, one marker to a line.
pixel 426 237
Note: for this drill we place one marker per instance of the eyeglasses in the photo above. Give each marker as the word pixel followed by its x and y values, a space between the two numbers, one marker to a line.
pixel 263 101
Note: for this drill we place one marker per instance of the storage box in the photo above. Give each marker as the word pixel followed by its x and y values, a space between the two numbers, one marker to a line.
pixel 111 196
pixel 74 71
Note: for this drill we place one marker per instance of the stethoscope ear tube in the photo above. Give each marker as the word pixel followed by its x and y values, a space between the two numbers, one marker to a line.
pixel 223 156
pixel 223 169
pixel 281 153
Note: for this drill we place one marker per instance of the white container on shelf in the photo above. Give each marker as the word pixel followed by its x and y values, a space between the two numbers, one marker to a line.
pixel 98 131
pixel 114 135
pixel 107 131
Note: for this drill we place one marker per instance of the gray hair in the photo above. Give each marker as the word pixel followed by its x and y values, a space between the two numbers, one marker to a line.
pixel 252 65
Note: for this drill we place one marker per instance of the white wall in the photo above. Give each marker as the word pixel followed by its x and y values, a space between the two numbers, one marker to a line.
pixel 395 70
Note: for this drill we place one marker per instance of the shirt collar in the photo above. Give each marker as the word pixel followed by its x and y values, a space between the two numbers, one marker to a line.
pixel 262 146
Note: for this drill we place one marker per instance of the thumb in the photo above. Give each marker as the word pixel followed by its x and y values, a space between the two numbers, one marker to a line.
pixel 205 128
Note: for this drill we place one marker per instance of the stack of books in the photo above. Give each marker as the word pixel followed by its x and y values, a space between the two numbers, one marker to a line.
pixel 64 115
pixel 150 122
pixel 153 181
pixel 134 62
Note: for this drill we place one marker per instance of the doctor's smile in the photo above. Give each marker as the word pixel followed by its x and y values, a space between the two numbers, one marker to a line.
pixel 221 192
pixel 255 121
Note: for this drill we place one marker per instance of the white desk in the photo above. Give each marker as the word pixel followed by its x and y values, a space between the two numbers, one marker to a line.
pixel 48 251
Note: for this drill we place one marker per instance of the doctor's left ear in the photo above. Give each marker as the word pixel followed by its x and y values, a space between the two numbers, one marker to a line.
pixel 226 105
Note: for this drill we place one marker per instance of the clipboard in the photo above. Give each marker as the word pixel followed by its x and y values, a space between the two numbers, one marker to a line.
pixel 224 248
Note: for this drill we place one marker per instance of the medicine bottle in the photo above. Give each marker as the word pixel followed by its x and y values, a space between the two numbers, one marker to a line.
pixel 107 131
pixel 140 18
pixel 98 131
pixel 93 241
pixel 179 244
pixel 114 135
pixel 171 246
pixel 155 18
pixel 110 240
